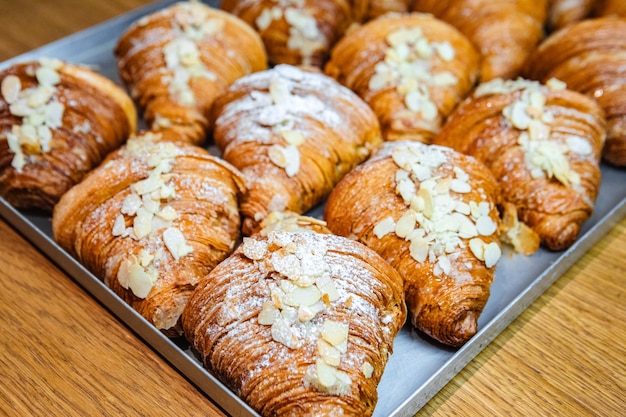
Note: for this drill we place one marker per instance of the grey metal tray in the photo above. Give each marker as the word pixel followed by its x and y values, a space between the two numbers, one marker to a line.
pixel 418 368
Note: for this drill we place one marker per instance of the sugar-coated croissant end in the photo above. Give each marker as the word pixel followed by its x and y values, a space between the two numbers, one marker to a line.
pixel 57 122
pixel 298 323
pixel 431 212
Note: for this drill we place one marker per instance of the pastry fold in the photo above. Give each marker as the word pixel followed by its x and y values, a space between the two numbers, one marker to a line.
pixel 411 69
pixel 151 221
pixel 504 31
pixel 543 143
pixel 590 57
pixel 177 60
pixel 57 122
pixel 298 323
pixel 293 134
pixel 299 32
pixel 431 212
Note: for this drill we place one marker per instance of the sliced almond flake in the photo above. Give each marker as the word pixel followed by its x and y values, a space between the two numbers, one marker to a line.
pixel 269 314
pixel 477 246
pixel 175 243
pixel 147 185
pixel 253 249
pixel 140 282
pixel 460 186
pixel 131 204
pixel 119 226
pixel 302 296
pixel 283 332
pixel 405 225
pixel 486 226
pixel 384 227
pixel 328 353
pixel 326 374
pixel 334 332
pixel 367 369
pixel 167 213
pixel 10 88
pixel 293 137
pixel 492 254
pixel 555 84
pixel 47 76
pixel 142 223
pixel 419 249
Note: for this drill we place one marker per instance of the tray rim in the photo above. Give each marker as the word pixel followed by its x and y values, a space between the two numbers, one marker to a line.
pixel 190 367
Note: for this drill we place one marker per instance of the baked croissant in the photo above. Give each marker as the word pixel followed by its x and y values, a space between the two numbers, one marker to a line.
pixel 298 323
pixel 295 32
pixel 293 134
pixel 364 10
pixel 504 31
pixel 177 60
pixel 543 144
pixel 563 12
pixel 431 213
pixel 590 57
pixel 57 122
pixel 151 221
pixel 411 69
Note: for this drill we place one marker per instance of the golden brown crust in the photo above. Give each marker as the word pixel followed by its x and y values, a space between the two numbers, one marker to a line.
pixel 102 223
pixel 413 84
pixel 615 8
pixel 276 367
pixel 293 134
pixel 553 177
pixel 446 289
pixel 563 12
pixel 504 32
pixel 168 61
pixel 295 33
pixel 589 56
pixel 365 10
pixel 87 116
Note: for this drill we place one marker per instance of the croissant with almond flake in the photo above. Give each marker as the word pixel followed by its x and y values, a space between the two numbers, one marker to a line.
pixel 295 32
pixel 151 221
pixel 298 323
pixel 411 69
pixel 504 31
pixel 177 60
pixel 293 134
pixel 543 143
pixel 431 213
pixel 57 122
pixel 590 57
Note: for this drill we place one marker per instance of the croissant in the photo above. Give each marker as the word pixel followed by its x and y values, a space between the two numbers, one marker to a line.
pixel 177 60
pixel 411 69
pixel 615 8
pixel 364 10
pixel 563 12
pixel 298 323
pixel 295 32
pixel 431 213
pixel 590 56
pixel 151 221
pixel 543 144
pixel 293 134
pixel 504 31
pixel 57 122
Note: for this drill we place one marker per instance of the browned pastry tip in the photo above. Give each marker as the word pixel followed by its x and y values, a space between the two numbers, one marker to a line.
pixel 151 221
pixel 365 10
pixel 293 134
pixel 589 56
pixel 543 143
pixel 563 12
pixel 57 121
pixel 298 323
pixel 169 61
pixel 412 69
pixel 431 212
pixel 504 32
pixel 295 32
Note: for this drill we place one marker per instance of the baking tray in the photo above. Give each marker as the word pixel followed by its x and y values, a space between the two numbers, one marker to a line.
pixel 418 368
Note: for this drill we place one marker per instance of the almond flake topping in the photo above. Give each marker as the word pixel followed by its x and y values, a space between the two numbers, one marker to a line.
pixel 437 219
pixel 144 207
pixel 301 289
pixel 304 34
pixel 39 109
pixel 408 68
pixel 544 156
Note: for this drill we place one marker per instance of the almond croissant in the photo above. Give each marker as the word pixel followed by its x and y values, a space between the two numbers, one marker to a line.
pixel 543 144
pixel 293 134
pixel 177 60
pixel 151 221
pixel 298 323
pixel 411 69
pixel 57 122
pixel 590 57
pixel 431 213
pixel 504 31
pixel 295 32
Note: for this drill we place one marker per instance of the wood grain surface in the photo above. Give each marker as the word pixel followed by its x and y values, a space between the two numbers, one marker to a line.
pixel 64 354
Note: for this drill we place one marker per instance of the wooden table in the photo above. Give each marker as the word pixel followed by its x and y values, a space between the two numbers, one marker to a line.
pixel 62 353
